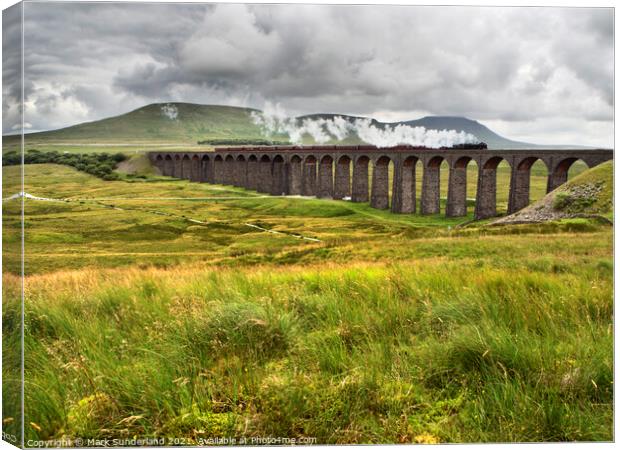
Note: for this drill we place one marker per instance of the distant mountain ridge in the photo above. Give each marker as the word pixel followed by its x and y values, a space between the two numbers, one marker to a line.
pixel 188 123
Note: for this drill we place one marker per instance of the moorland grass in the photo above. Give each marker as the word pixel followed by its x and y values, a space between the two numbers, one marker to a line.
pixel 416 351
pixel 391 328
pixel 152 221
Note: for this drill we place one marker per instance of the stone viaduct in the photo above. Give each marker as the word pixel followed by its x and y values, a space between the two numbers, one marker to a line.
pixel 343 171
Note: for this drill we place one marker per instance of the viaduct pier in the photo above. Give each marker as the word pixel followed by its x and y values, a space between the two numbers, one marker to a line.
pixel 343 171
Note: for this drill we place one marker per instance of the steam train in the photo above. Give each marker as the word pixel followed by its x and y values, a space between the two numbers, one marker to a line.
pixel 478 146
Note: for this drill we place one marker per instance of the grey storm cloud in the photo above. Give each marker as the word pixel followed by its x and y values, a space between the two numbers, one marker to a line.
pixel 85 61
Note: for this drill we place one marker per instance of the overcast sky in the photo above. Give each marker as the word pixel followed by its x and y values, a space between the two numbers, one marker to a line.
pixel 543 75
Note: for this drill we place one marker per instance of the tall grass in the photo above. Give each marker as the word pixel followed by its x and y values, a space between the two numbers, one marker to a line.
pixel 437 351
pixel 392 328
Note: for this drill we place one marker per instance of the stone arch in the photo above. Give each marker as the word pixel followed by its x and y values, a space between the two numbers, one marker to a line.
pixel 229 169
pixel 158 162
pixel 278 176
pixel 558 175
pixel 264 174
pixel 326 177
pixel 186 167
pixel 295 175
pixel 240 171
pixel 194 174
pixel 486 193
pixel 520 178
pixel 309 176
pixel 342 182
pixel 168 169
pixel 456 205
pixel 492 163
pixel 206 169
pixel 431 184
pixel 252 172
pixel 218 169
pixel 359 185
pixel 462 162
pixel 380 189
pixel 404 186
pixel 177 173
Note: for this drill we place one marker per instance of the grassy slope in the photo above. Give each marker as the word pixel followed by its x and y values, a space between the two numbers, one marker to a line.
pixel 590 192
pixel 84 232
pixel 391 329
pixel 601 176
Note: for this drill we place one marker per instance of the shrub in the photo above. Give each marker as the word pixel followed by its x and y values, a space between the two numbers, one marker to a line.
pixel 561 201
pixel 574 201
pixel 11 158
pixel 118 157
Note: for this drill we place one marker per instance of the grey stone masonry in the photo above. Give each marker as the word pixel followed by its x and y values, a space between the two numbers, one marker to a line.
pixel 487 192
pixel 218 170
pixel 430 186
pixel 229 170
pixel 195 169
pixel 326 178
pixel 359 193
pixel 252 173
pixel 207 170
pixel 287 170
pixel 295 177
pixel 380 188
pixel 264 176
pixel 240 172
pixel 278 177
pixel 168 166
pixel 309 177
pixel 403 191
pixel 342 183
pixel 457 191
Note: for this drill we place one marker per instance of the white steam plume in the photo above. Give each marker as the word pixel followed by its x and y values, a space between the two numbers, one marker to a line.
pixel 170 111
pixel 274 120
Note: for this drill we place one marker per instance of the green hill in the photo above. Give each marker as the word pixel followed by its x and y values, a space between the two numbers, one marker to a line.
pixel 187 123
pixel 150 123
pixel 589 193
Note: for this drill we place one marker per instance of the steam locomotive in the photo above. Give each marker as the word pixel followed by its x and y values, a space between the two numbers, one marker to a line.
pixel 478 146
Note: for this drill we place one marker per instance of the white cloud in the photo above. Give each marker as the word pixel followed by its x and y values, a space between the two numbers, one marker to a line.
pixel 525 67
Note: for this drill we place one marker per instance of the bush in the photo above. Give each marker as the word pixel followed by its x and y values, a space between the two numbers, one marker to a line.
pixel 11 158
pixel 561 201
pixel 573 201
pixel 118 157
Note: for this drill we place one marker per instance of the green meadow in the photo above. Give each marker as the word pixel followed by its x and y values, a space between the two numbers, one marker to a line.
pixel 163 308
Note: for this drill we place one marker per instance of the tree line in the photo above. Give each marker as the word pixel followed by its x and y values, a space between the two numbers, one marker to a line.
pixel 234 142
pixel 98 164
